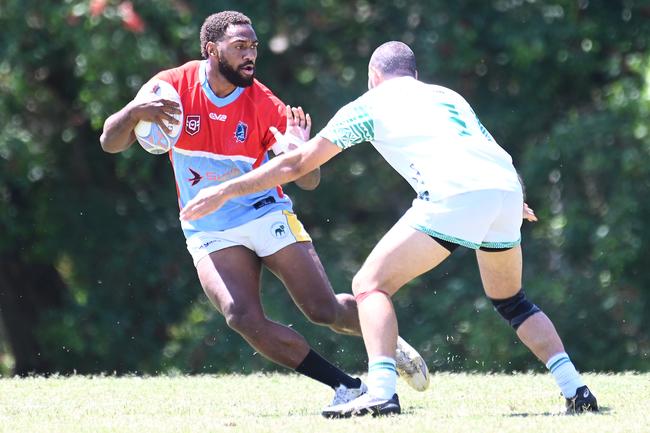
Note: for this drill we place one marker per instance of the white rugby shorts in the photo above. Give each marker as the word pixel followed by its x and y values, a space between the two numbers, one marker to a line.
pixel 265 236
pixel 484 218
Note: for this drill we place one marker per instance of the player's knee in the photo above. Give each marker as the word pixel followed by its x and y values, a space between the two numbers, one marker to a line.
pixel 322 314
pixel 362 282
pixel 346 302
pixel 243 320
pixel 515 310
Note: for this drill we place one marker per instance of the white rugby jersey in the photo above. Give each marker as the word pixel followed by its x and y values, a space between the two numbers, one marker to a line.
pixel 429 134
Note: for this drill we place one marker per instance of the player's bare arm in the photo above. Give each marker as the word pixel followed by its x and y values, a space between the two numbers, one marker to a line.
pixel 299 126
pixel 285 168
pixel 527 213
pixel 118 128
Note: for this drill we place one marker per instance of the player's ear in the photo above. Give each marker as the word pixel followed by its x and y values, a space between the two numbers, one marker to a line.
pixel 211 49
pixel 374 77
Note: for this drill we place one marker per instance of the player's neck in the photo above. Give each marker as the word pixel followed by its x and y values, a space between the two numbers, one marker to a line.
pixel 218 83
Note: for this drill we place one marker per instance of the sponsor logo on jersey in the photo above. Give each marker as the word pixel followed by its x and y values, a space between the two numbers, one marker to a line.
pixel 192 123
pixel 265 201
pixel 196 177
pixel 219 117
pixel 216 176
pixel 241 132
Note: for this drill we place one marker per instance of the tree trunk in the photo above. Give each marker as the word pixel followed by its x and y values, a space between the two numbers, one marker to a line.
pixel 27 291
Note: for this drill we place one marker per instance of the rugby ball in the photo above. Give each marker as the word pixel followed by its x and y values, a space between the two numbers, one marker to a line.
pixel 151 137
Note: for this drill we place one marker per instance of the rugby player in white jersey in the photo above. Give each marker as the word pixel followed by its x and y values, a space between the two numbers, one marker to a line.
pixel 468 194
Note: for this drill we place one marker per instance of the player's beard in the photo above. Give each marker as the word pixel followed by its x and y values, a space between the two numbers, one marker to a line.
pixel 233 75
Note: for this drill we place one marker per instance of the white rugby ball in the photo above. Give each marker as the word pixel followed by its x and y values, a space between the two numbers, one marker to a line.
pixel 151 137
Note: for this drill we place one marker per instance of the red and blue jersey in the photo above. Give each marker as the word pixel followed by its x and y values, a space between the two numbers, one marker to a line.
pixel 223 138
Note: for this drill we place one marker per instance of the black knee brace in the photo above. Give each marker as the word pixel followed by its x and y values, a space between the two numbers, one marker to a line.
pixel 516 309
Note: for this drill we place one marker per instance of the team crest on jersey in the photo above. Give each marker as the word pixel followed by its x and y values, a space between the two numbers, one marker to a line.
pixel 241 132
pixel 192 123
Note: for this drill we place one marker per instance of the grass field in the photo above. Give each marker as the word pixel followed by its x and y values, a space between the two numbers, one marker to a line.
pixel 289 403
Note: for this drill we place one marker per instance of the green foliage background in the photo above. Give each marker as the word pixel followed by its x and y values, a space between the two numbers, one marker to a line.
pixel 563 85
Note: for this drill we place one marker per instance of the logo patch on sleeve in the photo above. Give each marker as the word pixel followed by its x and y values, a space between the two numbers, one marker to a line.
pixel 241 132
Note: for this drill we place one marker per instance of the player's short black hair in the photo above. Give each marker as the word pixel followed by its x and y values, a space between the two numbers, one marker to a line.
pixel 394 58
pixel 214 27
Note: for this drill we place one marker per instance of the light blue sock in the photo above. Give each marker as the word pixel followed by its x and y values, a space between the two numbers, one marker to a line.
pixel 382 377
pixel 565 374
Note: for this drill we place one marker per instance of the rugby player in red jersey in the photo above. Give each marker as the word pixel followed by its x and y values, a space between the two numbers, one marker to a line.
pixel 226 133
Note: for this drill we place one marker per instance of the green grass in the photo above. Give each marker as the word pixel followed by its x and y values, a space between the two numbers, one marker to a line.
pixel 289 403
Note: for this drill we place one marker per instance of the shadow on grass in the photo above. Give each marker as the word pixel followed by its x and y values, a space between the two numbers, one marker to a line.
pixel 602 410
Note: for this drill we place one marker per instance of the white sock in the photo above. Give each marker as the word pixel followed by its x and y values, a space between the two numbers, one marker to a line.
pixel 565 374
pixel 382 377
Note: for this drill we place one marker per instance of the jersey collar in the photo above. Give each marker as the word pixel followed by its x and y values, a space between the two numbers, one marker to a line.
pixel 219 102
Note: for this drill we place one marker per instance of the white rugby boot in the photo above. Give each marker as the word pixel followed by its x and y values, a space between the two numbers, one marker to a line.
pixel 343 394
pixel 411 366
pixel 364 405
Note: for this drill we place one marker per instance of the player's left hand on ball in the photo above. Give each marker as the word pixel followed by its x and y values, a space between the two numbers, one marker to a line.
pixel 205 202
pixel 529 214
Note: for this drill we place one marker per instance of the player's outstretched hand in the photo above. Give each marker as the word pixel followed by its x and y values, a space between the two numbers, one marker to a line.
pixel 529 214
pixel 298 123
pixel 205 202
pixel 297 131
